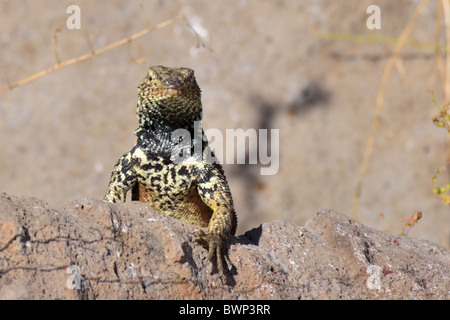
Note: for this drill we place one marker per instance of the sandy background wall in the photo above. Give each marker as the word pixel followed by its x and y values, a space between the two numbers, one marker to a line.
pixel 260 64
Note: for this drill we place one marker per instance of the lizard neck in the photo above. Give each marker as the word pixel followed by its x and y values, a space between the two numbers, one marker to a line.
pixel 162 117
pixel 158 126
pixel 163 131
pixel 162 139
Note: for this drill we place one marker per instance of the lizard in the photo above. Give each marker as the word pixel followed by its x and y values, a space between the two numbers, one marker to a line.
pixel 194 190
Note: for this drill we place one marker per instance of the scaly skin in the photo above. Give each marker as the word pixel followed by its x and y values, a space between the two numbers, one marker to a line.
pixel 193 190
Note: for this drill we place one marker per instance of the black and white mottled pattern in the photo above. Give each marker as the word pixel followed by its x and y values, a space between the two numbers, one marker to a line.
pixel 193 189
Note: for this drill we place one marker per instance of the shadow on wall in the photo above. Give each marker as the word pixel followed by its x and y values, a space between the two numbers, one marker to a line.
pixel 312 95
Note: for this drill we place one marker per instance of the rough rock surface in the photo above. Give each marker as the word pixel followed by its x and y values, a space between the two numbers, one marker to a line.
pixel 93 250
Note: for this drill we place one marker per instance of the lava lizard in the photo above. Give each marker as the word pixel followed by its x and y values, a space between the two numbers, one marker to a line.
pixel 193 190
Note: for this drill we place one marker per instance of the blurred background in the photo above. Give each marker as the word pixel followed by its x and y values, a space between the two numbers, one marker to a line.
pixel 310 69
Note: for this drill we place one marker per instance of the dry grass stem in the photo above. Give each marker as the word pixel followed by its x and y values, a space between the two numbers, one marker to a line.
pixel 446 7
pixel 88 55
pixel 379 103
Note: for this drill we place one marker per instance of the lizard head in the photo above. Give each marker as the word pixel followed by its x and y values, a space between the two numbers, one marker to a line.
pixel 169 95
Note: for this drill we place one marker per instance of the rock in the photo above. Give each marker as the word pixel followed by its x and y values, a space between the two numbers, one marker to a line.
pixel 92 250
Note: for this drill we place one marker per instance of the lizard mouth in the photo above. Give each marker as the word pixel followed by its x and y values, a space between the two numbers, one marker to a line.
pixel 172 91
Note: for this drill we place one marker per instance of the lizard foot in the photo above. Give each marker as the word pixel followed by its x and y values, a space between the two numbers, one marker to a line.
pixel 216 248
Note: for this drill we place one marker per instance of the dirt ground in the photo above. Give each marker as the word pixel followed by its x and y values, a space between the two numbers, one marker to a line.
pixel 261 65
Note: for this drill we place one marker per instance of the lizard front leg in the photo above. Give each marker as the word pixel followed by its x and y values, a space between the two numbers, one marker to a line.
pixel 214 191
pixel 123 177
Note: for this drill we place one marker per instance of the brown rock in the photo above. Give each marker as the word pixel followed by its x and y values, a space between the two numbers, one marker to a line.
pixel 93 250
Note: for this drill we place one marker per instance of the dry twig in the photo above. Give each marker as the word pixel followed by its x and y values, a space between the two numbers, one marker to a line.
pixel 88 55
pixel 379 103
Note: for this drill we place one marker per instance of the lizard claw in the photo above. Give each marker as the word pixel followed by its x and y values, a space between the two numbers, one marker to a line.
pixel 216 248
